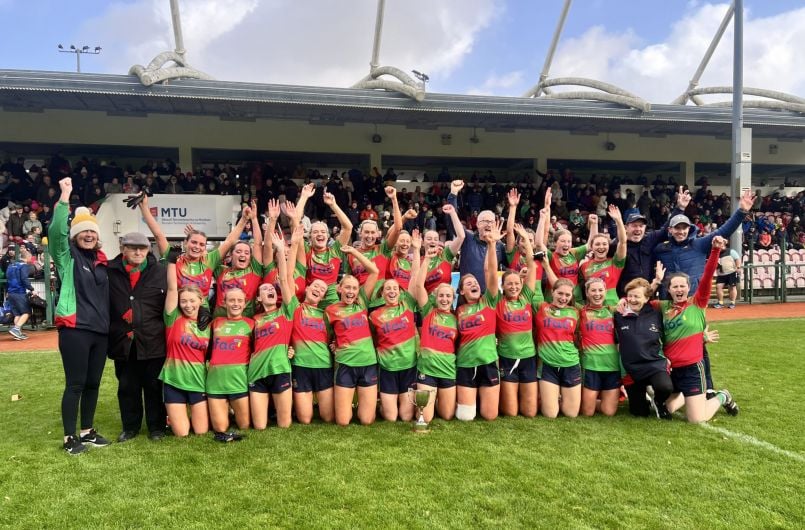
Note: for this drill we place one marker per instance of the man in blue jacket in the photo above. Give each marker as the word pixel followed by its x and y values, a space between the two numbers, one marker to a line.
pixel 684 252
pixel 18 287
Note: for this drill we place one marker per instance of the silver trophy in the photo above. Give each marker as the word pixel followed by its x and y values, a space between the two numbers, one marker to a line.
pixel 420 399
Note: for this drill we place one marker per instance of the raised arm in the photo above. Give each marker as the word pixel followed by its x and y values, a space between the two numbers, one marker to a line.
pixel 452 199
pixel 371 280
pixel 305 194
pixel 458 228
pixel 514 199
pixel 296 251
pixel 282 266
pixel 546 226
pixel 257 245
pixel 702 296
pixel 394 231
pixel 271 226
pixel 172 296
pixel 153 226
pixel 615 214
pixel 416 260
pixel 59 230
pixel 346 225
pixel 540 234
pixel 592 226
pixel 237 230
pixel 491 268
pixel 659 276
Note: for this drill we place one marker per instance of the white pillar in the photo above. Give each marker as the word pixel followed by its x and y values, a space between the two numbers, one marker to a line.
pixel 186 158
pixel 689 173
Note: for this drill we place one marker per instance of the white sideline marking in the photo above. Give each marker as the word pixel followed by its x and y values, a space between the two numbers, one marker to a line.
pixel 751 440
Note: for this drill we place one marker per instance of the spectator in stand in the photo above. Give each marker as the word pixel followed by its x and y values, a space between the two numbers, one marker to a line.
pixel 15 222
pixel 728 274
pixel 368 213
pixel 31 223
pixel 18 288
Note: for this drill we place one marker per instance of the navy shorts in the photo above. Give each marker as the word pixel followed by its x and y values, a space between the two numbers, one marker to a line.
pixel 19 304
pixel 275 384
pixel 230 397
pixel 564 377
pixel 352 376
pixel 436 382
pixel 311 379
pixel 171 394
pixel 595 380
pixel 478 376
pixel 730 279
pixel 397 381
pixel 518 370
pixel 689 379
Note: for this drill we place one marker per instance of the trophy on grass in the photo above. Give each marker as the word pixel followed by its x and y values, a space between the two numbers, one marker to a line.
pixel 420 398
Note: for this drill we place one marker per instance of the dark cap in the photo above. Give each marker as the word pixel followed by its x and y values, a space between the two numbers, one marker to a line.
pixel 633 217
pixel 135 239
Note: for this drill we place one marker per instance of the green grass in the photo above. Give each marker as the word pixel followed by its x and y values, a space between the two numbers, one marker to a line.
pixel 583 473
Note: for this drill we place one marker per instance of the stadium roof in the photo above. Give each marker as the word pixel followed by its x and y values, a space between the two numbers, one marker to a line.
pixel 122 95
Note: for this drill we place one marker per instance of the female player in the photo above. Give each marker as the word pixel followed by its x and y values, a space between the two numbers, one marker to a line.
pixel 245 271
pixel 296 268
pixel 354 348
pixel 184 373
pixel 440 264
pixel 269 367
pixel 227 376
pixel 514 325
pixel 476 360
pixel 600 266
pixel 515 248
pixel 684 325
pixel 436 365
pixel 599 355
pixel 82 316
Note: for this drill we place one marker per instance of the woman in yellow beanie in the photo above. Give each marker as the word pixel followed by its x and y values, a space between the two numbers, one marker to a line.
pixel 82 316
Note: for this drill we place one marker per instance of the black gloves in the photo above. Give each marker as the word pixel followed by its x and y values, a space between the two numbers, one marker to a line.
pixel 134 200
pixel 204 318
pixel 173 254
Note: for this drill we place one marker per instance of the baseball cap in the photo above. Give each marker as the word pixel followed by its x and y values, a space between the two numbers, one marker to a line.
pixel 633 217
pixel 679 219
pixel 135 239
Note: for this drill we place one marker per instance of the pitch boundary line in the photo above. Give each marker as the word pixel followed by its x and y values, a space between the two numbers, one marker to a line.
pixel 751 440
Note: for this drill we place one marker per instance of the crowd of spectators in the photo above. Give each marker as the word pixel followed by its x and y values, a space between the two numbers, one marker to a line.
pixel 28 193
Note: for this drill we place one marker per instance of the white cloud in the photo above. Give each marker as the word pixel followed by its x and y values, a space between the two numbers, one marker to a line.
pixel 660 71
pixel 320 42
pixel 496 84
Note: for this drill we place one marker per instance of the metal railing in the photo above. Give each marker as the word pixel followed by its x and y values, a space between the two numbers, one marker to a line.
pixel 781 269
pixel 42 286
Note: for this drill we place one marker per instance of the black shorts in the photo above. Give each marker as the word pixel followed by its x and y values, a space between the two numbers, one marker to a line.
pixel 564 377
pixel 689 379
pixel 730 279
pixel 518 370
pixel 436 382
pixel 19 304
pixel 478 376
pixel 350 377
pixel 230 397
pixel 171 394
pixel 595 380
pixel 311 379
pixel 396 382
pixel 274 384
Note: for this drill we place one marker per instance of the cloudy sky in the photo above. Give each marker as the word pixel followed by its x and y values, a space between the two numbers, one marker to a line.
pixel 649 47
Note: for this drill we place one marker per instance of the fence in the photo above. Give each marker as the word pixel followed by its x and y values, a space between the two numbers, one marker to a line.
pixel 44 287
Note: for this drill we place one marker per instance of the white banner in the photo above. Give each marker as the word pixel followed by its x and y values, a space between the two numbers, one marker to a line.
pixel 208 213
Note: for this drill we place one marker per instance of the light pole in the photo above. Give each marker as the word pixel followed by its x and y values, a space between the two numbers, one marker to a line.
pixel 78 52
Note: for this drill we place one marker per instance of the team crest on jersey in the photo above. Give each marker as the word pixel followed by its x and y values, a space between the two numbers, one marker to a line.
pixel 653 328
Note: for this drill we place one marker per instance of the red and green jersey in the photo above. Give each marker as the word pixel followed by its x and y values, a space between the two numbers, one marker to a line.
pixel 185 366
pixel 517 262
pixel 311 338
pixel 598 349
pixel 272 334
pixel 683 336
pixel 608 270
pixel 231 349
pixel 400 269
pixel 476 332
pixel 395 334
pixel 568 267
pixel 353 338
pixel 440 270
pixel 437 356
pixel 198 273
pixel 325 265
pixel 248 280
pixel 377 254
pixel 515 324
pixel 556 333
pixel 270 275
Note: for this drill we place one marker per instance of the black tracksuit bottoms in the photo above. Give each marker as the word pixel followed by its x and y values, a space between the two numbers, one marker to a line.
pixel 138 385
pixel 83 355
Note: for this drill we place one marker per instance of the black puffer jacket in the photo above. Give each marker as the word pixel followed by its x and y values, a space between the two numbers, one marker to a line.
pixel 639 338
pixel 147 304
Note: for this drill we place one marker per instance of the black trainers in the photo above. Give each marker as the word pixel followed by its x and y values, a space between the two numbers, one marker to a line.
pixel 730 406
pixel 94 439
pixel 73 446
pixel 125 436
pixel 226 437
pixel 156 436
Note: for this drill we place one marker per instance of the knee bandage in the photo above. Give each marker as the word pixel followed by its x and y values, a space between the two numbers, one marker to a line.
pixel 465 412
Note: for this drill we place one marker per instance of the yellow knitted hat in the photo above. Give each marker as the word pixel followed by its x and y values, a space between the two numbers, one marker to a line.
pixel 83 220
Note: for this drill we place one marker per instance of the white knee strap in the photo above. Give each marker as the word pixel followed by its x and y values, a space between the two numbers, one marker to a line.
pixel 465 412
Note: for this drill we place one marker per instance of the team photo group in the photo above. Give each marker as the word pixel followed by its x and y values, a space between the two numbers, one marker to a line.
pixel 291 321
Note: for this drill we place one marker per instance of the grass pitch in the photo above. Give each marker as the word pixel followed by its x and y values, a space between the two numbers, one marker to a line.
pixel 747 471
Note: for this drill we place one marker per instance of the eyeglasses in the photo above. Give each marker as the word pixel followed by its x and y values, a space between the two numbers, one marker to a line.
pixel 486 221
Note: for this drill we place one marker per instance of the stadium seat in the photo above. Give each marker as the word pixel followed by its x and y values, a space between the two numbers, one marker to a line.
pixel 757 283
pixel 790 283
pixel 768 283
pixel 774 255
pixel 800 282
